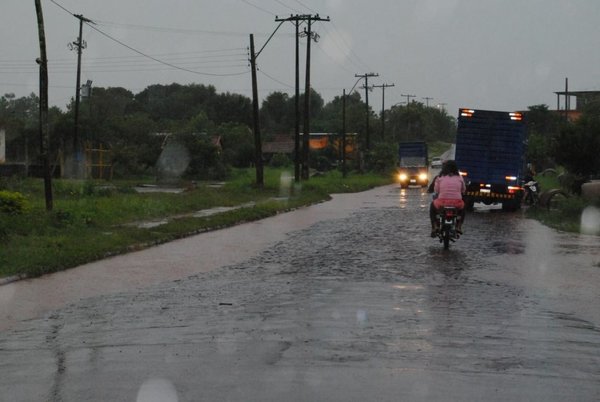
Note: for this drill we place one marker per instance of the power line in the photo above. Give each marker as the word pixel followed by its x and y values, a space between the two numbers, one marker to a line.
pixel 305 6
pixel 343 67
pixel 151 57
pixel 275 79
pixel 164 62
pixel 287 6
pixel 349 47
pixel 257 7
pixel 174 30
pixel 239 52
pixel 55 3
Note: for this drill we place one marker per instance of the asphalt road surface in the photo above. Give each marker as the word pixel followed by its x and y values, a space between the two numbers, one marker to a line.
pixel 349 300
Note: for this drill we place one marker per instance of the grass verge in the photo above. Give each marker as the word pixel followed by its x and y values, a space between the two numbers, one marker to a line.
pixel 91 221
pixel 566 214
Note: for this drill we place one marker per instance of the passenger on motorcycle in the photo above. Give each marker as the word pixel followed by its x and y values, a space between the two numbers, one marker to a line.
pixel 449 187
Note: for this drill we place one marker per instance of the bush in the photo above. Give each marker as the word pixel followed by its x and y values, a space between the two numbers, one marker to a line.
pixel 280 160
pixel 12 203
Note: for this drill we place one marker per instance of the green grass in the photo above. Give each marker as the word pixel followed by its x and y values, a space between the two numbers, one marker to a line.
pixel 91 221
pixel 565 214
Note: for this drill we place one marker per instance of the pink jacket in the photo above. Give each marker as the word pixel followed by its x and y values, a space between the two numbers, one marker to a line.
pixel 450 187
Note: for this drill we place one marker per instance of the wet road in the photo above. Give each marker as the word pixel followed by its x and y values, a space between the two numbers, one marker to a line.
pixel 351 301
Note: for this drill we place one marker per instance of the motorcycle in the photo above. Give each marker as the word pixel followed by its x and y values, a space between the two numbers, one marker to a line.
pixel 447 218
pixel 532 191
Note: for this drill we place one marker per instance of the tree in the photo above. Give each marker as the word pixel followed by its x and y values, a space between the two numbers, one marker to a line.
pixel 20 119
pixel 416 122
pixel 276 114
pixel 238 144
pixel 577 146
pixel 542 126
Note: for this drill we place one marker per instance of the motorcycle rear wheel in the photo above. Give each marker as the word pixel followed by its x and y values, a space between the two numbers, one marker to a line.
pixel 446 239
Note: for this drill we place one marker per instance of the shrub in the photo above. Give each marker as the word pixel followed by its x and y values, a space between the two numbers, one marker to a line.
pixel 12 203
pixel 280 160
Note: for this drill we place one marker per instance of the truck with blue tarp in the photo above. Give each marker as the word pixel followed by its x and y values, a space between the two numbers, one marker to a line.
pixel 413 168
pixel 490 154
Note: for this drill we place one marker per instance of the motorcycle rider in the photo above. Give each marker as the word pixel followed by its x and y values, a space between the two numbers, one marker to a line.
pixel 449 187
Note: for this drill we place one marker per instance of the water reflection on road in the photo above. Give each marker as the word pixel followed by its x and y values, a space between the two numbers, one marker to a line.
pixel 353 301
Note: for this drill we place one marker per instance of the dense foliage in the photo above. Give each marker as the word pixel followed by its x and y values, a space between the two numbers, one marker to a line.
pixel 553 140
pixel 215 127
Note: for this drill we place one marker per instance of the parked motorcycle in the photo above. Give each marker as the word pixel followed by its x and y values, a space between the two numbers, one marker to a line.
pixel 447 220
pixel 532 193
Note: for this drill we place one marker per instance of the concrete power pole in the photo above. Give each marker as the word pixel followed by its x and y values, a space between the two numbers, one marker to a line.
pixel 383 87
pixel 366 86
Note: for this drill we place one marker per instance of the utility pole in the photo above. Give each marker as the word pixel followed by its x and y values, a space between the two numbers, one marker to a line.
pixel 443 106
pixel 79 45
pixel 297 108
pixel 427 99
pixel 257 141
pixel 44 128
pixel 310 36
pixel 408 98
pixel 383 87
pixel 344 134
pixel 366 86
pixel 297 19
pixel 306 145
pixel 567 99
pixel 408 114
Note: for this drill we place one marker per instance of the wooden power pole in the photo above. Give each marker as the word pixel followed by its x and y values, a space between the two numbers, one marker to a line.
pixel 257 141
pixel 44 128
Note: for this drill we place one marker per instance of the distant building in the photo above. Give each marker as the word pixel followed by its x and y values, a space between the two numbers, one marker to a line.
pixel 284 144
pixel 280 144
pixel 582 99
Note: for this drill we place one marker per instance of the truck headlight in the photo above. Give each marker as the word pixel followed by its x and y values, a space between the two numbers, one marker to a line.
pixel 402 176
pixel 423 176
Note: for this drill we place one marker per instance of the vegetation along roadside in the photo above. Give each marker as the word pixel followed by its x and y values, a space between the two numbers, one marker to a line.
pixel 93 220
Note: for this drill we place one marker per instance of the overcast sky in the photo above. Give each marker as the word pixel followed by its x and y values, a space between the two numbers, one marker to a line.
pixel 486 54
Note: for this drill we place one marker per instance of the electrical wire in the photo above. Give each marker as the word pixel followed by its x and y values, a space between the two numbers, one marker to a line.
pixel 151 57
pixel 175 30
pixel 305 6
pixel 275 79
pixel 164 62
pixel 333 59
pixel 287 6
pixel 258 8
